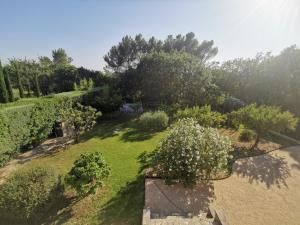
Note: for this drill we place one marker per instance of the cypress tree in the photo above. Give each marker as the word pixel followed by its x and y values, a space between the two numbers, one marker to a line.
pixel 3 91
pixel 37 86
pixel 8 85
pixel 20 86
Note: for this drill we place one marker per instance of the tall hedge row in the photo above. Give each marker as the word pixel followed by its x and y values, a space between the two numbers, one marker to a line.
pixel 26 126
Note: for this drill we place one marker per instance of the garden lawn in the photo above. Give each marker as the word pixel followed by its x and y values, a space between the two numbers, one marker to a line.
pixel 121 200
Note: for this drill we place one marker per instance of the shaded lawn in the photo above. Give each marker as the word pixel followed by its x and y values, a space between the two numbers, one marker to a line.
pixel 122 199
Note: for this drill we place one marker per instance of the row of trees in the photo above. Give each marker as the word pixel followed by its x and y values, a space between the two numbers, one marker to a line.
pixel 44 76
pixel 265 79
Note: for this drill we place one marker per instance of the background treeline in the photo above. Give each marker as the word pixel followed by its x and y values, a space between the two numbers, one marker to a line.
pixel 44 76
pixel 169 74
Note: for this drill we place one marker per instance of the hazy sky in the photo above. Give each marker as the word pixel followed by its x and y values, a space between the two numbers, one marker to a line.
pixel 87 29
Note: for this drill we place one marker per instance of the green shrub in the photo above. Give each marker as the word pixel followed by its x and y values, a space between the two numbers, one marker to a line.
pixel 247 135
pixel 190 152
pixel 27 194
pixel 155 121
pixel 88 173
pixel 203 115
pixel 81 119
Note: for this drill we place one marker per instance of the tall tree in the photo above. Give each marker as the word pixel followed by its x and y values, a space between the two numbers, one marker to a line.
pixel 16 67
pixel 8 85
pixel 60 57
pixel 128 52
pixel 3 90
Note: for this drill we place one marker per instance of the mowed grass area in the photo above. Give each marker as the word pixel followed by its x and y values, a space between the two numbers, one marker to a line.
pixel 121 200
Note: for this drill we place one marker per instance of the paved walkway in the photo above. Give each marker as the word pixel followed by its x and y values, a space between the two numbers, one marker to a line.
pixel 46 148
pixel 263 190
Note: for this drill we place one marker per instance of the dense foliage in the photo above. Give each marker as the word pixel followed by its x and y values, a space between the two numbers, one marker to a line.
pixel 153 121
pixel 88 173
pixel 27 194
pixel 25 126
pixel 190 152
pixel 265 79
pixel 203 115
pixel 168 78
pixel 103 98
pixel 3 89
pixel 263 119
pixel 127 54
pixel 81 119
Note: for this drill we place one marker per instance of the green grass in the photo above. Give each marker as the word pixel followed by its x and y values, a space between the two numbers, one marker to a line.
pixel 121 200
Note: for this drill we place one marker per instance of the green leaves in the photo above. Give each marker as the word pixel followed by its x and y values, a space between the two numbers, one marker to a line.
pixel 81 119
pixel 28 193
pixel 88 173
pixel 203 115
pixel 264 118
pixel 190 152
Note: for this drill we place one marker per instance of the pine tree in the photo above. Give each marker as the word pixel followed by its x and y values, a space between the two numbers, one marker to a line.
pixel 8 85
pixel 3 90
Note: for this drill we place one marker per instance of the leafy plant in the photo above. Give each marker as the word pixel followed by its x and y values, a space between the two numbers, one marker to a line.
pixel 88 173
pixel 155 121
pixel 203 115
pixel 263 119
pixel 28 194
pixel 81 119
pixel 190 152
pixel 247 135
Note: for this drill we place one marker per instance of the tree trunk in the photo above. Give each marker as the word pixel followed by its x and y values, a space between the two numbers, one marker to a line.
pixel 256 141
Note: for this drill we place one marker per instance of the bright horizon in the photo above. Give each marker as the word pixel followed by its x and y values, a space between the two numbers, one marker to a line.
pixel 88 29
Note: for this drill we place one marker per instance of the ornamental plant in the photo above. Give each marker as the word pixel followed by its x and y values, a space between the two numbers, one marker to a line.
pixel 88 173
pixel 203 115
pixel 81 119
pixel 263 119
pixel 154 121
pixel 191 152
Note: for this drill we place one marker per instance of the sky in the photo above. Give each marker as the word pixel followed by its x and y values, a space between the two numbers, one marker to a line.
pixel 87 29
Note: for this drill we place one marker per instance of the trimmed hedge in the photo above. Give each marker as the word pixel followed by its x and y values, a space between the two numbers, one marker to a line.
pixel 26 126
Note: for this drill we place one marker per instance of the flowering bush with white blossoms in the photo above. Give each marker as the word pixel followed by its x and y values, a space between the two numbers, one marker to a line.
pixel 191 152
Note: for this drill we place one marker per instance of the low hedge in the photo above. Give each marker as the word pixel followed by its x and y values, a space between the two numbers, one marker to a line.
pixel 26 126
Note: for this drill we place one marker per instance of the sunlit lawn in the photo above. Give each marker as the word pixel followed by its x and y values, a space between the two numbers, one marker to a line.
pixel 121 200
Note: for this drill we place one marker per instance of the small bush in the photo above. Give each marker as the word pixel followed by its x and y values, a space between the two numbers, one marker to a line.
pixel 190 152
pixel 28 194
pixel 203 115
pixel 247 135
pixel 155 121
pixel 88 173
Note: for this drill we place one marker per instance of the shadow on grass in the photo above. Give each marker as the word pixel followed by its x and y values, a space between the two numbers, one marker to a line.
pixel 136 134
pixel 127 206
pixel 61 212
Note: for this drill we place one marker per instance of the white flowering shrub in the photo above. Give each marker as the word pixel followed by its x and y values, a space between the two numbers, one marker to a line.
pixel 191 152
